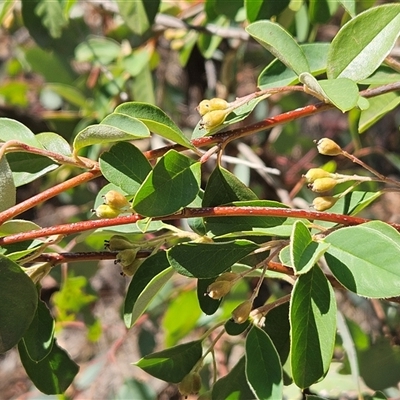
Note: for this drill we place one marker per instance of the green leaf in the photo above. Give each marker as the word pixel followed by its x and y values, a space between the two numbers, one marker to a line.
pixel 127 124
pixel 27 167
pixel 55 143
pixel 321 11
pixel 125 166
pixel 102 134
pixel 18 302
pixel 172 364
pixel 382 76
pixel 223 187
pixel 54 373
pixel 385 359
pixel 52 16
pixel 149 279
pixel 313 327
pixel 99 50
pixel 280 43
pixel 14 130
pixel 207 260
pixel 278 329
pixel 181 317
pixel 38 339
pixel 16 226
pixel 304 252
pixel 349 6
pixel 277 74
pixel 233 386
pixel 263 367
pixel 138 15
pixel 156 120
pixel 379 106
pixel 342 92
pixel 173 184
pixel 364 259
pixel 230 9
pixel 8 192
pixel 234 329
pixel 264 9
pixel 362 44
pixel 208 305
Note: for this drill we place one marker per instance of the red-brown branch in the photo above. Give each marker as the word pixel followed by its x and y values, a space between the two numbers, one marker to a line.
pixel 77 227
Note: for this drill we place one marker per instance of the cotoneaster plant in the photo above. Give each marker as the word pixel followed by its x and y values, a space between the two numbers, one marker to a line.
pixel 231 236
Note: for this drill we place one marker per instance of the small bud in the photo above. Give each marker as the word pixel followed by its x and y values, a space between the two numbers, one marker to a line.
pixel 116 200
pixel 257 317
pixel 323 184
pixel 38 271
pixel 126 257
pixel 227 276
pixel 190 384
pixel 213 119
pixel 316 173
pixel 118 243
pixel 130 269
pixel 219 289
pixel 324 202
pixel 328 147
pixel 241 313
pixel 216 103
pixel 177 44
pixel 106 211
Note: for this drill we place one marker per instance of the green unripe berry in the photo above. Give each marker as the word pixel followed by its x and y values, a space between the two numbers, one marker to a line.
pixel 213 119
pixel 328 147
pixel 190 384
pixel 130 269
pixel 116 200
pixel 216 103
pixel 323 184
pixel 316 173
pixel 241 313
pixel 106 211
pixel 324 202
pixel 219 289
pixel 126 257
pixel 227 276
pixel 117 243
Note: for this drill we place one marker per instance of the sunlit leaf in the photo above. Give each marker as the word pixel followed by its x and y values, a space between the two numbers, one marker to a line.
pixel 313 327
pixel 372 270
pixel 362 44
pixel 263 367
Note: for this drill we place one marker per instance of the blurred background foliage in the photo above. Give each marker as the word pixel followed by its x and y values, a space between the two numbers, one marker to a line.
pixel 66 64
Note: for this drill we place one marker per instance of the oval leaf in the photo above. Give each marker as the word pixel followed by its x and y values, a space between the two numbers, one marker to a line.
pixel 125 166
pixel 173 184
pixel 234 385
pixel 207 260
pixel 362 44
pixel 38 339
pixel 101 134
pixel 263 367
pixel 16 310
pixel 365 258
pixel 54 373
pixel 150 274
pixel 172 364
pixel 304 252
pixel 156 120
pixel 279 43
pixel 313 327
pixel 14 130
